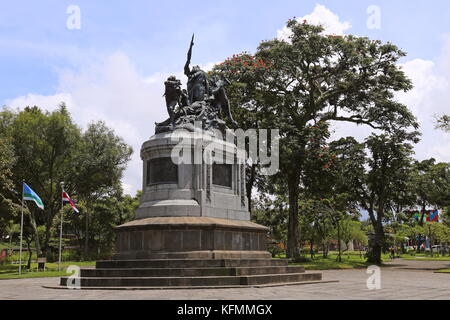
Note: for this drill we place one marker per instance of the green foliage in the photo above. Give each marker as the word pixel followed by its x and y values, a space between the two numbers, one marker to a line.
pixel 99 162
pixel 351 230
pixel 430 183
pixel 308 81
pixel 350 260
pixel 8 208
pixel 45 148
pixel 10 271
pixel 443 123
pixel 436 233
pixel 273 214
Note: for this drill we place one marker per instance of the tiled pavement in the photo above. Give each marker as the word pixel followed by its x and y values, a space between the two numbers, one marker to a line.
pixel 411 280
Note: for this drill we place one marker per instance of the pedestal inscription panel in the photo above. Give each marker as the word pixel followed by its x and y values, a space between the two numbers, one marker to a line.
pixel 161 170
pixel 222 175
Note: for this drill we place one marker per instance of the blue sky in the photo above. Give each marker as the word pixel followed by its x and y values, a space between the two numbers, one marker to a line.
pixel 113 66
pixel 155 33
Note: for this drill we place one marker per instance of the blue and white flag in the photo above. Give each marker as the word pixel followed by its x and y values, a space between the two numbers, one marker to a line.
pixel 29 194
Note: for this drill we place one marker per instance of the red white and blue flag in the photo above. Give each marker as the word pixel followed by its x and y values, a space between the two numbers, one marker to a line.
pixel 66 198
pixel 433 216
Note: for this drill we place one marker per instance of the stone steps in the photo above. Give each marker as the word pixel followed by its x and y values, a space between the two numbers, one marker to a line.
pixel 192 273
pixel 212 281
pixel 191 263
pixel 189 272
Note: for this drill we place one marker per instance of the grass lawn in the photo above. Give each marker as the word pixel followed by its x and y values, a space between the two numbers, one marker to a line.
pixel 11 271
pixel 350 260
pixel 425 257
pixel 443 271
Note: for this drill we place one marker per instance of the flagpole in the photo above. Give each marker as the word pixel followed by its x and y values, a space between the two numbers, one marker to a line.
pixel 21 234
pixel 61 227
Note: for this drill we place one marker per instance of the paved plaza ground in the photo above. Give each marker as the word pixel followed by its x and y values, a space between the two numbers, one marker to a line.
pixel 401 279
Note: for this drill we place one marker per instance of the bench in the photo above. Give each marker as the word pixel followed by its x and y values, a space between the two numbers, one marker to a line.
pixel 41 263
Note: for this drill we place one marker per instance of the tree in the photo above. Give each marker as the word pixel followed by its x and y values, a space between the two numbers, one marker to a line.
pixel 351 230
pixel 318 215
pixel 443 123
pixel 97 167
pixel 430 185
pixel 245 92
pixel 42 143
pixel 50 148
pixel 445 216
pixel 318 78
pixel 8 207
pixel 436 233
pixel 107 213
pixel 273 214
pixel 388 170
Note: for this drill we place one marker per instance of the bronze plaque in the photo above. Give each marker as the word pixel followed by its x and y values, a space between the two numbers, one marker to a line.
pixel 222 175
pixel 161 171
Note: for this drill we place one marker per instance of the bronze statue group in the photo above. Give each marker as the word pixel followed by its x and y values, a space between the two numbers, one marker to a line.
pixel 204 100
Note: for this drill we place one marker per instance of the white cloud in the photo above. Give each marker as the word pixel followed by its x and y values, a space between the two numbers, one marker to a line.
pixel 112 90
pixel 115 92
pixel 429 98
pixel 208 66
pixel 159 77
pixel 49 103
pixel 320 16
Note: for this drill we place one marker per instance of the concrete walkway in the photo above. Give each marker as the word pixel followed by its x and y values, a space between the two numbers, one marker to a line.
pixel 401 279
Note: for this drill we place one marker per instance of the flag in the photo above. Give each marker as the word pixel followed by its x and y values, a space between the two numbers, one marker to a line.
pixel 29 194
pixel 66 198
pixel 429 214
pixel 434 216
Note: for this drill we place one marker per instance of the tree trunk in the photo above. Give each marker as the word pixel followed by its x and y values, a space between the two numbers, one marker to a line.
pixel 292 245
pixel 30 253
pixel 422 216
pixel 48 225
pixel 430 240
pixel 374 255
pixel 339 259
pixel 86 245
pixel 417 243
pixel 36 233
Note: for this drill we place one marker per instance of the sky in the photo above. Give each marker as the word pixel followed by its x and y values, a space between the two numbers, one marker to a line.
pixel 108 59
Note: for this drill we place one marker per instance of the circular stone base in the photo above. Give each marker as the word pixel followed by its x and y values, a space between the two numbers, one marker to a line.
pixel 191 238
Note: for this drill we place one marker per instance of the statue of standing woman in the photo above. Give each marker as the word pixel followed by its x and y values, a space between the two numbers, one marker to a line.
pixel 197 84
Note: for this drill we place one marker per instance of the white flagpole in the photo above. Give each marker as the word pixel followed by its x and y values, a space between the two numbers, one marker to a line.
pixel 61 227
pixel 21 235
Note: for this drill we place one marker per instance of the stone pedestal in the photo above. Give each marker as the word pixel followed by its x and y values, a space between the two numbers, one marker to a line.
pixel 193 228
pixel 194 202
pixel 206 180
pixel 192 238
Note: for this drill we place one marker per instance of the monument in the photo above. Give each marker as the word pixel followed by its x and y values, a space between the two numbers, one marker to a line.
pixel 193 226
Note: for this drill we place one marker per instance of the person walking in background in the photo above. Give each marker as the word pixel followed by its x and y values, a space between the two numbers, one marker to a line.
pixel 392 253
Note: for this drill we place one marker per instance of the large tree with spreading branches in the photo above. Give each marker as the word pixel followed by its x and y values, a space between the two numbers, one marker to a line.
pixel 313 78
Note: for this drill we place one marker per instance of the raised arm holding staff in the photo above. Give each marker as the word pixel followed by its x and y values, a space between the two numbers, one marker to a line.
pixel 197 84
pixel 187 70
